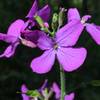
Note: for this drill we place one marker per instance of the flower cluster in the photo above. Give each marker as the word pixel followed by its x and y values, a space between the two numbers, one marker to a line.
pixel 59 46
pixel 57 42
pixel 44 92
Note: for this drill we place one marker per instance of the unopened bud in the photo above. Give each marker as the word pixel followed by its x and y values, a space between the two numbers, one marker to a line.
pixel 46 25
pixel 39 21
pixel 61 16
pixel 42 24
pixel 55 18
pixel 33 93
pixel 55 21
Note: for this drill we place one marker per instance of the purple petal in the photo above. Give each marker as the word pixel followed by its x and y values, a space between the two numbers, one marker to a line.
pixel 70 96
pixel 44 63
pixel 39 38
pixel 71 58
pixel 2 36
pixel 24 90
pixel 15 28
pixel 70 33
pixel 86 17
pixel 26 24
pixel 98 27
pixel 44 85
pixel 94 31
pixel 64 29
pixel 45 42
pixel 44 13
pixel 7 38
pixel 33 10
pixel 10 50
pixel 32 36
pixel 56 90
pixel 73 14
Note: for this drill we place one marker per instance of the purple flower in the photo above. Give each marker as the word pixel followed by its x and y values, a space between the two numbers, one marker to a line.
pixel 57 92
pixel 93 29
pixel 44 13
pixel 41 90
pixel 60 47
pixel 12 37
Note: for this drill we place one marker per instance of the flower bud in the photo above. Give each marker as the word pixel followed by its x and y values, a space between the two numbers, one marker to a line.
pixel 54 21
pixel 61 16
pixel 39 21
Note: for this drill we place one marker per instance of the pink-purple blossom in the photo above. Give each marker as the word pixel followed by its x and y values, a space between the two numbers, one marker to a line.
pixel 91 28
pixel 60 47
pixel 56 42
pixel 12 37
pixel 41 91
pixel 54 88
pixel 57 92
pixel 44 13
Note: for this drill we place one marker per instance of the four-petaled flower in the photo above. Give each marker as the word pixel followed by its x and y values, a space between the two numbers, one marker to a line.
pixel 60 47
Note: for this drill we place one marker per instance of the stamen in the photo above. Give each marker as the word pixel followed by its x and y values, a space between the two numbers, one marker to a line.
pixel 83 21
pixel 55 46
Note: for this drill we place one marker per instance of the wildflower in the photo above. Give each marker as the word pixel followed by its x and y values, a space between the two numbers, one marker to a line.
pixel 13 37
pixel 57 92
pixel 60 47
pixel 93 29
pixel 43 92
pixel 44 13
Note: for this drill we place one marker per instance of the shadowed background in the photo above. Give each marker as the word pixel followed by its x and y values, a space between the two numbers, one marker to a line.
pixel 16 70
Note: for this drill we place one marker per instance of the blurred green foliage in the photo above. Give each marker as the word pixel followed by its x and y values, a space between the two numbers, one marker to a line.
pixel 16 71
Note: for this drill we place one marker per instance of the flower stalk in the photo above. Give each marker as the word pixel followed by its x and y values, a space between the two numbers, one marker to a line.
pixel 62 82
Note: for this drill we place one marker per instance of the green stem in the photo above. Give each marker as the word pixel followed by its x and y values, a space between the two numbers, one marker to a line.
pixel 62 81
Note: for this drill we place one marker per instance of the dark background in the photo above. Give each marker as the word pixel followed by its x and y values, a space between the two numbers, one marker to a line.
pixel 16 70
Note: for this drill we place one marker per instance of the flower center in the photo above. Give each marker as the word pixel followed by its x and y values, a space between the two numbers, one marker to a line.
pixel 55 46
pixel 83 21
